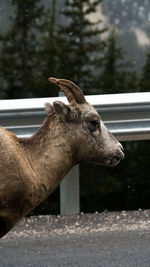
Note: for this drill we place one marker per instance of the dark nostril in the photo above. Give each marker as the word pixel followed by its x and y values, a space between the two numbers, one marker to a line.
pixel 122 157
pixel 121 147
pixel 120 154
pixel 118 157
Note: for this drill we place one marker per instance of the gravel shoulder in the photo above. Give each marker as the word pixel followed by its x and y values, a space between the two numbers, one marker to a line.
pixel 110 239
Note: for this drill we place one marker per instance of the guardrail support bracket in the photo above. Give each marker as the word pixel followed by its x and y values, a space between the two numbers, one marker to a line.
pixel 69 193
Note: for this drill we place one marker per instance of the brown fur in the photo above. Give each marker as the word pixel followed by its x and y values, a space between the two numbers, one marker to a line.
pixel 31 168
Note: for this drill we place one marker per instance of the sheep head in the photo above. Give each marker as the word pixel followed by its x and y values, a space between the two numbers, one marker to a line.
pixel 90 138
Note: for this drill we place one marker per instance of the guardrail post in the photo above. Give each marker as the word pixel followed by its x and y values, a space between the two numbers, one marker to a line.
pixel 69 193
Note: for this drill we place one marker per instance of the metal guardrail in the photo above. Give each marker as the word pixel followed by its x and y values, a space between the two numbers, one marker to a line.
pixel 127 116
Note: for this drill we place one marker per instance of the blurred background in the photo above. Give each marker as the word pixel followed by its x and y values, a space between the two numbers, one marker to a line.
pixel 104 47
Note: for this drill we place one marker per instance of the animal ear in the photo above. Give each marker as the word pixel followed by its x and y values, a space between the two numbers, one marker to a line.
pixel 63 110
pixel 48 108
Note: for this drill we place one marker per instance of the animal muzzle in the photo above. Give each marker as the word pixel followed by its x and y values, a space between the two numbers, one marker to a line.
pixel 116 157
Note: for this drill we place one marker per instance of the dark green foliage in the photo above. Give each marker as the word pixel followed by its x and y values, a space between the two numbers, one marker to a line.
pixel 24 60
pixel 116 75
pixel 50 51
pixel 80 42
pixel 124 187
pixel 20 46
pixel 145 77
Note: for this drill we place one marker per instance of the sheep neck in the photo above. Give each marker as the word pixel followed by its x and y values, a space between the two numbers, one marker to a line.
pixel 50 153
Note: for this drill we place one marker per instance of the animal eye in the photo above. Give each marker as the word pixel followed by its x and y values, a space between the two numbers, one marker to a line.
pixel 93 125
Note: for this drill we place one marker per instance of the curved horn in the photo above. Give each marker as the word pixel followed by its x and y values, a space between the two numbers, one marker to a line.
pixel 66 91
pixel 71 90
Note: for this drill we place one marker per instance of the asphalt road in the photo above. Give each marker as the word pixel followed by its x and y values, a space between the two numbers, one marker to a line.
pixel 88 240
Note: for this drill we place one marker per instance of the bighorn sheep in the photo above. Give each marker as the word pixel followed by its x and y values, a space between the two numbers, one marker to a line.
pixel 31 168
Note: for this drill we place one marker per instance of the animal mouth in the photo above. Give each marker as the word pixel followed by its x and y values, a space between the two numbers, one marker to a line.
pixel 114 161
